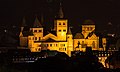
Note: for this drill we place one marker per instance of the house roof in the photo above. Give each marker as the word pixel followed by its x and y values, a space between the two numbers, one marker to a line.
pixel 88 22
pixel 79 36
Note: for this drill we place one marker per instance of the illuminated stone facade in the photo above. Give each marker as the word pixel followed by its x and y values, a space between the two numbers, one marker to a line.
pixel 61 37
pixel 88 38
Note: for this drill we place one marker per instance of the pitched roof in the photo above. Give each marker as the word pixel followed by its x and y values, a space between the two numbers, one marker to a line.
pixel 88 22
pixel 91 33
pixel 69 31
pixel 79 36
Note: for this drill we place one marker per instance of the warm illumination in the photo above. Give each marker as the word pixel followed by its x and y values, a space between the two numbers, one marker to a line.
pixel 63 39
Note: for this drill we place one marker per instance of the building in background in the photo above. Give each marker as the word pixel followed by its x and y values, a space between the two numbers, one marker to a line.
pixel 60 38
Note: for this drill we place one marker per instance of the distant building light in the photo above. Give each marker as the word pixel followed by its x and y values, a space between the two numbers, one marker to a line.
pixel 5 30
pixel 99 58
pixel 113 35
pixel 14 26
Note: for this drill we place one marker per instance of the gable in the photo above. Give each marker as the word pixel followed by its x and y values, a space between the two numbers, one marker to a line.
pixel 49 36
pixel 93 36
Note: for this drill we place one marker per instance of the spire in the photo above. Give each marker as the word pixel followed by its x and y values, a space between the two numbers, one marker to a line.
pixel 23 22
pixel 69 31
pixel 60 14
pixel 37 23
pixel 42 19
pixel 21 34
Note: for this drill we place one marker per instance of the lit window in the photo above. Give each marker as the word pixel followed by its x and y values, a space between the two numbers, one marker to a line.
pixel 65 49
pixel 40 30
pixel 35 30
pixel 93 44
pixel 99 54
pixel 35 38
pixel 105 54
pixel 102 54
pixel 39 49
pixel 59 30
pixel 59 23
pixel 29 38
pixel 50 45
pixel 47 45
pixel 40 45
pixel 36 49
pixel 56 45
pixel 84 28
pixel 100 59
pixel 83 44
pixel 63 23
pixel 39 38
pixel 59 48
pixel 64 30
pixel 90 28
pixel 62 44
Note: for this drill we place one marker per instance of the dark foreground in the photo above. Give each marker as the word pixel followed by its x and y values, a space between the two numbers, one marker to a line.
pixel 56 64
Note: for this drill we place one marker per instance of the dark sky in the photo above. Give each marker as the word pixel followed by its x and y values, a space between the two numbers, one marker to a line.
pixel 100 11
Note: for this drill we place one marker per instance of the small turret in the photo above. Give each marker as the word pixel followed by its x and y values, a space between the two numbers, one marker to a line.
pixel 70 42
pixel 23 40
pixel 37 24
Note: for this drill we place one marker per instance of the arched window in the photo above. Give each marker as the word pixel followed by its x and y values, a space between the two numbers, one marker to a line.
pixel 82 44
pixel 93 44
pixel 35 30
pixel 63 23
pixel 64 30
pixel 59 30
pixel 39 38
pixel 40 30
pixel 35 38
pixel 59 23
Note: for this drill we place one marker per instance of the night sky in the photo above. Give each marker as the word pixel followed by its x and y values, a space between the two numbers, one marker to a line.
pixel 100 11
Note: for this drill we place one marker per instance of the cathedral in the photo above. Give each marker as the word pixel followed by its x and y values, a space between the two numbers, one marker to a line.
pixel 61 38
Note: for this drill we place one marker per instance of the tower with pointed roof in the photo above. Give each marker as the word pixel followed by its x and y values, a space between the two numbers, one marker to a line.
pixel 23 39
pixel 22 26
pixel 36 35
pixel 60 13
pixel 37 30
pixel 69 42
pixel 60 25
